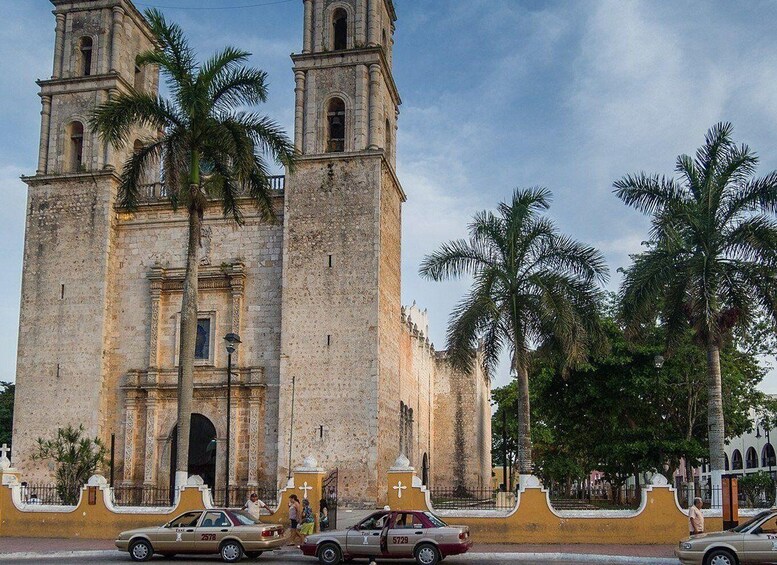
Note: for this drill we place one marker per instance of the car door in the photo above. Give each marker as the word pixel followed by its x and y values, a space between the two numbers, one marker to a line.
pixel 177 536
pixel 405 530
pixel 760 544
pixel 213 528
pixel 364 539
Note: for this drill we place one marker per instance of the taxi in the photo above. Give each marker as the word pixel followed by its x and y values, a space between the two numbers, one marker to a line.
pixel 755 541
pixel 391 534
pixel 231 533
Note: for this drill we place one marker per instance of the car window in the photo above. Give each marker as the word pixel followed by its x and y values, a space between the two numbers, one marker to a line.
pixel 242 518
pixel 213 519
pixel 436 522
pixel 405 521
pixel 374 522
pixel 768 527
pixel 187 520
pixel 750 522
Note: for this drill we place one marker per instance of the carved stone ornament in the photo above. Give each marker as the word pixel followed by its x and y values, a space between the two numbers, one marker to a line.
pixel 97 481
pixel 402 463
pixel 195 481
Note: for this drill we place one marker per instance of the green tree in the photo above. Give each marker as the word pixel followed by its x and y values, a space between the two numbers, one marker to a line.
pixel 209 150
pixel 532 286
pixel 6 411
pixel 76 458
pixel 710 261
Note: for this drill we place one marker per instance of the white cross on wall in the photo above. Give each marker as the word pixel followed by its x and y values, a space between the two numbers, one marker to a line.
pixel 399 488
pixel 4 450
pixel 305 488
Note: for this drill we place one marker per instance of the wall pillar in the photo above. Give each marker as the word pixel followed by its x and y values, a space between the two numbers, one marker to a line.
pixel 118 17
pixel 373 19
pixel 254 436
pixel 156 276
pixel 374 105
pixel 299 109
pixel 151 463
pixel 59 46
pixel 130 429
pixel 307 40
pixel 404 487
pixel 45 128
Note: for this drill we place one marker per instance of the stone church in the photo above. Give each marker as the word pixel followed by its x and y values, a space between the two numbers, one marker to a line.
pixel 330 364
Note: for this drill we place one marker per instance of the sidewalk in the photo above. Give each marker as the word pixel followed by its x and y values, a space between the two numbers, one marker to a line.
pixel 520 552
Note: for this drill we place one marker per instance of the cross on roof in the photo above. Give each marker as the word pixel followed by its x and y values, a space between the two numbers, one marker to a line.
pixel 4 449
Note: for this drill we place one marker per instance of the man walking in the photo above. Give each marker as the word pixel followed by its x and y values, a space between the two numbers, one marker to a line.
pixel 695 517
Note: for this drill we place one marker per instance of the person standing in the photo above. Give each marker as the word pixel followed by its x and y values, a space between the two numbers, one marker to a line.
pixel 308 521
pixel 254 506
pixel 295 510
pixel 695 517
pixel 323 515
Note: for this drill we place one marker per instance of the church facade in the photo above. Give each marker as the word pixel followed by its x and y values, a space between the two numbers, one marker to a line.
pixel 330 364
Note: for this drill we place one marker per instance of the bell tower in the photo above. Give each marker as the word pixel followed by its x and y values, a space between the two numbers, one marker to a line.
pixel 341 267
pixel 63 374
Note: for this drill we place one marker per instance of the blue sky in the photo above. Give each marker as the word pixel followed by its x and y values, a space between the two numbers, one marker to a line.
pixel 497 94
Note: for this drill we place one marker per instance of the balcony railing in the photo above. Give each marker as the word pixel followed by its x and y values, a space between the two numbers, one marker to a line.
pixel 157 192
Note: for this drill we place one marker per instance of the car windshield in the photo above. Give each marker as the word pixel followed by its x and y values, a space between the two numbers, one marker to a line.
pixel 242 518
pixel 742 527
pixel 435 520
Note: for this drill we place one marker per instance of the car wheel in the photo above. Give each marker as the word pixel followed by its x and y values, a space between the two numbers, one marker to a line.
pixel 253 554
pixel 427 554
pixel 329 554
pixel 231 551
pixel 141 550
pixel 720 557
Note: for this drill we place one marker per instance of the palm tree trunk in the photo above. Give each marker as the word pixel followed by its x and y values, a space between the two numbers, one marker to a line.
pixel 715 423
pixel 188 342
pixel 524 422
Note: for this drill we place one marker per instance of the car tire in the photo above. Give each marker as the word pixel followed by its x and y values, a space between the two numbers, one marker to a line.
pixel 329 554
pixel 427 554
pixel 141 550
pixel 720 557
pixel 231 551
pixel 253 554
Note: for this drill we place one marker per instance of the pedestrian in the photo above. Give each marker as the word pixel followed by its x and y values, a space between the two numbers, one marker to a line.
pixel 254 506
pixel 323 515
pixel 308 521
pixel 295 510
pixel 695 517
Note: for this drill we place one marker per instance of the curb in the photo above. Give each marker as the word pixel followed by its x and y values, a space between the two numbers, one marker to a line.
pixel 479 557
pixel 573 557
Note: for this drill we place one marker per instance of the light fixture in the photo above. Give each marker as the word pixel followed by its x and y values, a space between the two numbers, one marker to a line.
pixel 658 361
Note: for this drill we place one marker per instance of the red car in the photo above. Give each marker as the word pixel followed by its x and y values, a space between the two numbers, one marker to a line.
pixel 391 534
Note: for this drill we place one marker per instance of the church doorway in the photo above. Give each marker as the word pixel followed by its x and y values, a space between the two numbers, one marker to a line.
pixel 202 451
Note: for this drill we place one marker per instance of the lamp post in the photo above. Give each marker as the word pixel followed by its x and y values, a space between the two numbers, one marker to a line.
pixel 232 340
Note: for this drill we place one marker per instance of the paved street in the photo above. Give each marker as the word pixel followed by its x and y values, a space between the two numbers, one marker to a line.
pixel 59 551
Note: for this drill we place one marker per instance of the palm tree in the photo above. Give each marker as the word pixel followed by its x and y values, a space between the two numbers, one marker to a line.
pixel 531 287
pixel 710 261
pixel 201 131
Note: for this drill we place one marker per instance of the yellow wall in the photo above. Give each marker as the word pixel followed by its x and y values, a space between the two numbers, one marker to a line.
pixel 659 520
pixel 98 521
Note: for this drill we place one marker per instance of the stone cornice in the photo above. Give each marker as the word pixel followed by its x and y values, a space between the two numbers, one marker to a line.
pixel 62 6
pixel 35 180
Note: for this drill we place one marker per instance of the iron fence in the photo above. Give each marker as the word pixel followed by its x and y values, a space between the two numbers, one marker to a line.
pixel 598 497
pixel 38 493
pixel 471 499
pixel 712 497
pixel 238 495
pixel 142 496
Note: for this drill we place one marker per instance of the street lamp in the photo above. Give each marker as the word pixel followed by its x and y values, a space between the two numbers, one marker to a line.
pixel 232 340
pixel 658 361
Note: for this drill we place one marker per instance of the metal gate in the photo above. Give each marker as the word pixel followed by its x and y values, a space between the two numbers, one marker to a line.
pixel 329 495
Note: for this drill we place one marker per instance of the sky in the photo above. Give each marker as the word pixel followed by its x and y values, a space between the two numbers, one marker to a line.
pixel 497 95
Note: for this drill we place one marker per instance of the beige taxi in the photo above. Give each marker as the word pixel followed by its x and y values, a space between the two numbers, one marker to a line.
pixel 754 541
pixel 231 533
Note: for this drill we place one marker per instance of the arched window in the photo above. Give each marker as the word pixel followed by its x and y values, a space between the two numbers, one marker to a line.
pixel 767 456
pixel 202 450
pixel 340 29
pixel 86 56
pixel 335 126
pixel 140 78
pixel 726 466
pixel 736 460
pixel 74 147
pixel 751 459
